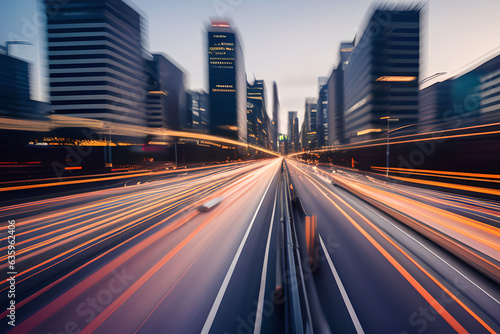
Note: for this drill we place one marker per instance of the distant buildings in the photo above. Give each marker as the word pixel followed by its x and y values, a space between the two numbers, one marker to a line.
pixel 309 134
pixel 96 65
pixel 293 131
pixel 227 83
pixel 322 113
pixel 166 95
pixel 258 123
pixel 283 144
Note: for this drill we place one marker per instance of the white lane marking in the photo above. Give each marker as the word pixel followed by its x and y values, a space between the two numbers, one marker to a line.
pixel 352 202
pixel 345 297
pixel 436 255
pixel 260 304
pixel 225 283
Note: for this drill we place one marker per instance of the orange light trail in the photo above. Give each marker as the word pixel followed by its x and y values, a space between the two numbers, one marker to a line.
pixel 449 318
pixel 416 285
pixel 235 188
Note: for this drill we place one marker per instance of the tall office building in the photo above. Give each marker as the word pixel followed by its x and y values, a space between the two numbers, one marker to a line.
pixel 96 65
pixel 227 82
pixel 434 102
pixel 166 95
pixel 293 131
pixel 322 113
pixel 198 110
pixel 381 77
pixel 258 126
pixel 276 119
pixel 309 133
pixel 15 99
pixel 336 122
pixel 467 99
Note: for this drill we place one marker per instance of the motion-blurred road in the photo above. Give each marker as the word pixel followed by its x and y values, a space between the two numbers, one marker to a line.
pixel 379 276
pixel 146 258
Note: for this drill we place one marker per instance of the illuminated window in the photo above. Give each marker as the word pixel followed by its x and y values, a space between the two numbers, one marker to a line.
pixel 396 78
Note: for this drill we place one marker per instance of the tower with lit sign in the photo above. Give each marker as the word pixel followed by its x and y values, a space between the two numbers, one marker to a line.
pixel 227 83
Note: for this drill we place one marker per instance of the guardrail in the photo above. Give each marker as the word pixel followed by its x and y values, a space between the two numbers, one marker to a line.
pixel 303 310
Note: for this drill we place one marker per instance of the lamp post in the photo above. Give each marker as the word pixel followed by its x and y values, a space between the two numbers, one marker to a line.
pixel 107 150
pixel 389 119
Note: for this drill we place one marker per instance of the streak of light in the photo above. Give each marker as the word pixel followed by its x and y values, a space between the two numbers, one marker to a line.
pixel 94 179
pixel 474 175
pixel 434 303
pixel 475 189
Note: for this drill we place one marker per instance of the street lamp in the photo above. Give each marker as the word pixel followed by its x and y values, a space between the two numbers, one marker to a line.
pixel 389 119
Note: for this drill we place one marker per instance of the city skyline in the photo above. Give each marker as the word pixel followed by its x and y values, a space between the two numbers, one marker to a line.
pixel 185 46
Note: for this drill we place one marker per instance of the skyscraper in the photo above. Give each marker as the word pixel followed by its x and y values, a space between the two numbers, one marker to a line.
pixel 96 66
pixel 227 82
pixel 276 118
pixel 381 78
pixel 198 109
pixel 166 99
pixel 15 88
pixel 336 123
pixel 258 126
pixel 293 131
pixel 467 99
pixel 322 113
pixel 310 135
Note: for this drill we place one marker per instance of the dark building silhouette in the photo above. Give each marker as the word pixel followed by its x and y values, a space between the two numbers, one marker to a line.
pixel 166 95
pixel 15 101
pixel 468 99
pixel 258 126
pixel 293 131
pixel 336 122
pixel 96 65
pixel 434 101
pixel 322 113
pixel 309 134
pixel 276 118
pixel 381 78
pixel 227 82
pixel 198 110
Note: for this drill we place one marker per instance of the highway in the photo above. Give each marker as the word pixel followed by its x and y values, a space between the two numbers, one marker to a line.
pixel 202 252
pixel 386 275
pixel 142 258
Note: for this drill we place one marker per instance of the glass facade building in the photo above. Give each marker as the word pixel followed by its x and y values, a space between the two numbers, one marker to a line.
pixel 258 126
pixel 309 133
pixel 467 99
pixel 293 131
pixel 198 110
pixel 382 74
pixel 322 113
pixel 166 95
pixel 96 63
pixel 336 122
pixel 15 99
pixel 227 83
pixel 276 119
